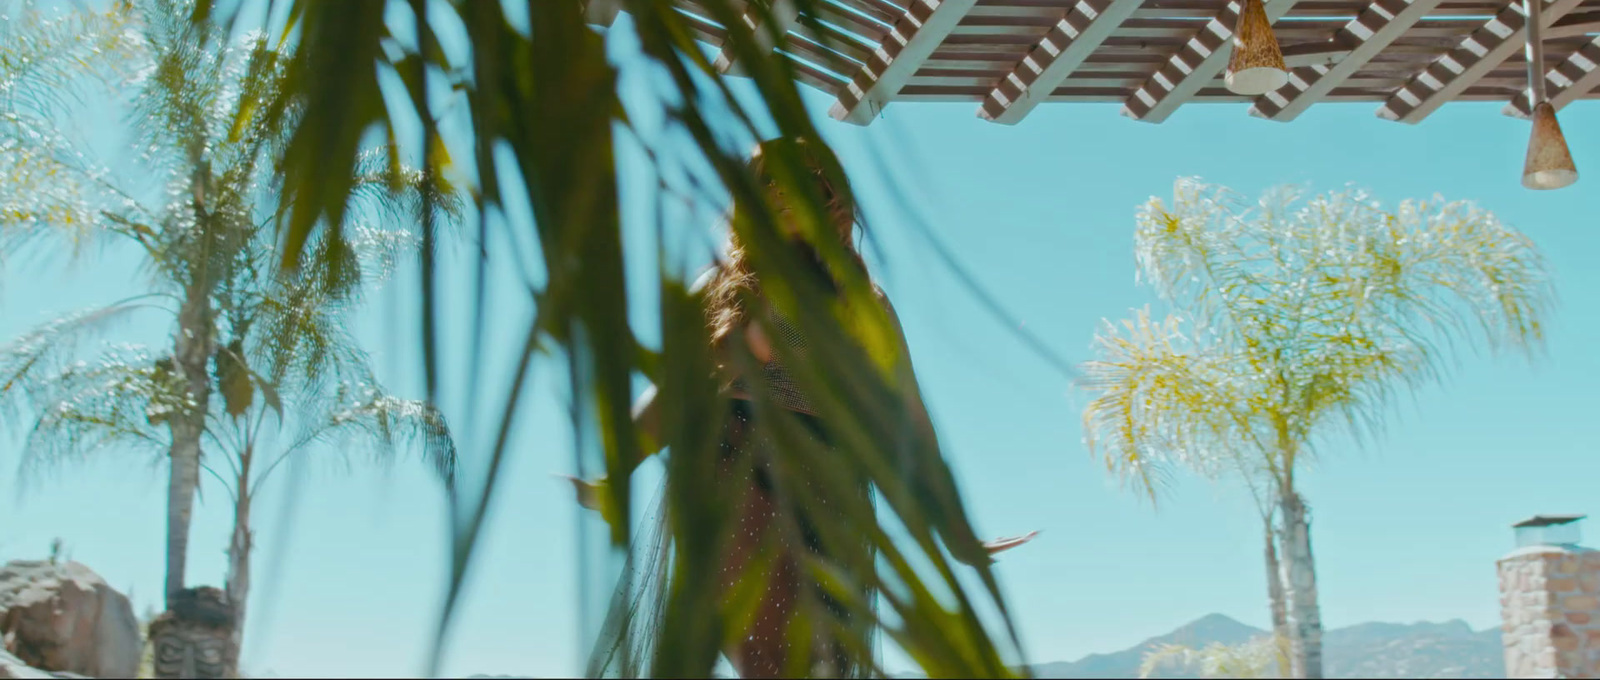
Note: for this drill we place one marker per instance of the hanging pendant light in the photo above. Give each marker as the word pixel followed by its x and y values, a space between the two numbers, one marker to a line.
pixel 1256 66
pixel 1549 162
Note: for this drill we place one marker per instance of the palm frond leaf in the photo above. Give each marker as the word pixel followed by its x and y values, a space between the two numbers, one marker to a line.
pixel 116 401
pixel 1256 658
pixel 1161 401
pixel 49 62
pixel 361 416
pixel 26 361
pixel 554 116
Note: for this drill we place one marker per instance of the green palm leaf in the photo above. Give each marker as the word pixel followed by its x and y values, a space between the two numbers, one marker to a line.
pixel 548 96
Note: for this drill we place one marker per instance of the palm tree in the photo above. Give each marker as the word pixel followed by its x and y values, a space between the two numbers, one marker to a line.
pixel 209 115
pixel 536 87
pixel 336 418
pixel 1301 318
pixel 179 97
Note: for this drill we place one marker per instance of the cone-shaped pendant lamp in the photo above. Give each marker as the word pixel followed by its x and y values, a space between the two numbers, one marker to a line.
pixel 1256 66
pixel 1549 164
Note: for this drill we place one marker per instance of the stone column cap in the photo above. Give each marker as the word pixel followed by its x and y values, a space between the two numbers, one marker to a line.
pixel 1548 520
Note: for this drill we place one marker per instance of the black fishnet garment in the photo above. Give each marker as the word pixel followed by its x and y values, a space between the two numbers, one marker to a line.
pixel 781 387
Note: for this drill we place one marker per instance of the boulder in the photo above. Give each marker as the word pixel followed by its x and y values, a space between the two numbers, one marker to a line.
pixel 64 618
pixel 12 668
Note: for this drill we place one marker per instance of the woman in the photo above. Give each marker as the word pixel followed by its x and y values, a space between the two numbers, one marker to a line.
pixel 765 518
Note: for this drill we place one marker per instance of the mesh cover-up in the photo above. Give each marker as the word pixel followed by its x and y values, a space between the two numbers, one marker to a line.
pixel 632 628
pixel 781 387
pixel 630 634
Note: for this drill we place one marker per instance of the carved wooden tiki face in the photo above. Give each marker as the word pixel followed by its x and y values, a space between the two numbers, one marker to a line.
pixel 192 639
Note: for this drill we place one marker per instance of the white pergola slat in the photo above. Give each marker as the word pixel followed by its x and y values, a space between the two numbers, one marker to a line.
pixel 784 13
pixel 1062 50
pixel 1367 34
pixel 1476 55
pixel 924 25
pixel 1154 56
pixel 1196 64
pixel 1565 83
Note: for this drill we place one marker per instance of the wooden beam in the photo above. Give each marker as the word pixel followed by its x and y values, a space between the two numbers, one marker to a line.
pixel 1194 66
pixel 783 13
pixel 1455 71
pixel 1326 53
pixel 1568 81
pixel 1574 25
pixel 1062 50
pixel 924 25
pixel 1370 32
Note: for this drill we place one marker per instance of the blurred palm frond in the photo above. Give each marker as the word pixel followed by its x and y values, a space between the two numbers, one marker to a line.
pixel 544 95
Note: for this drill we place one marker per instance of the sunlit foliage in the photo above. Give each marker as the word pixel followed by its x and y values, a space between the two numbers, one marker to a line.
pixel 1257 658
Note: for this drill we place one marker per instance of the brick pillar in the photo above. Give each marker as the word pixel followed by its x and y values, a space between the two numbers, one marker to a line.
pixel 1550 605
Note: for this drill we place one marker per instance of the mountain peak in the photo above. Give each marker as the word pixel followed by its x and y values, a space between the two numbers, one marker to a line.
pixel 1210 628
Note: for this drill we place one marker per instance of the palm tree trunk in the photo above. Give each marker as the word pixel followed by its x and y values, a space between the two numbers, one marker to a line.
pixel 1276 599
pixel 238 584
pixel 1300 585
pixel 192 353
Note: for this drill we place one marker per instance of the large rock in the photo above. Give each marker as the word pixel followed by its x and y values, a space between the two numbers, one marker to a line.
pixel 12 668
pixel 62 617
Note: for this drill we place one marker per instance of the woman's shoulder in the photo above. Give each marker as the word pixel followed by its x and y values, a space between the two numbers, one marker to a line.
pixel 883 300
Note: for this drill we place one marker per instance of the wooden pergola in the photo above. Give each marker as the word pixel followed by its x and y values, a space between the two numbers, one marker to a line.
pixel 1151 56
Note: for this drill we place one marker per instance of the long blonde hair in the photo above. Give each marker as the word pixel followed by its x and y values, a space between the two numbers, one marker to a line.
pixel 733 279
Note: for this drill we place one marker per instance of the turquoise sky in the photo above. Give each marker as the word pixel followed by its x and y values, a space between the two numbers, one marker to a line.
pixel 349 579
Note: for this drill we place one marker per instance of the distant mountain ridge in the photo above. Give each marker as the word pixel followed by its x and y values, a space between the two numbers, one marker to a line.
pixel 1368 650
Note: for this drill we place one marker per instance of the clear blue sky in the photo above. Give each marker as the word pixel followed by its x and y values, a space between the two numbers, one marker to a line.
pixel 1407 529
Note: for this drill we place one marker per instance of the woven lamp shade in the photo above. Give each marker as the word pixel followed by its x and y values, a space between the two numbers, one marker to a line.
pixel 1256 66
pixel 1549 164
